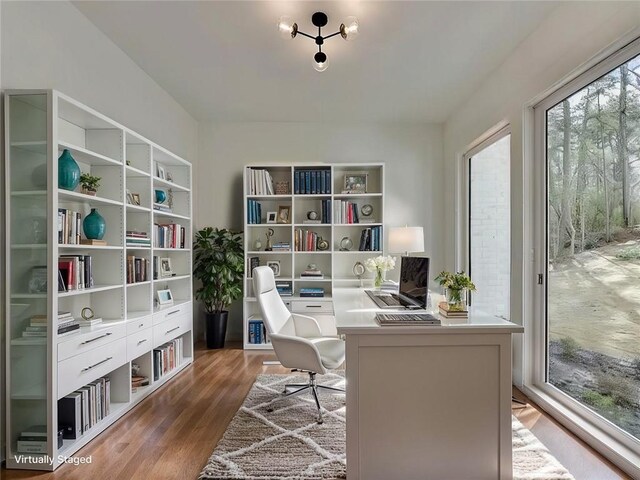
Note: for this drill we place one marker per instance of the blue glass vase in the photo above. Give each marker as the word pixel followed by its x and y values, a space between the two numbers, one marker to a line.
pixel 161 196
pixel 68 171
pixel 94 225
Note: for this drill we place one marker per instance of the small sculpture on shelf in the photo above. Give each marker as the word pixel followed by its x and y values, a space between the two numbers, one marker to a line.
pixel 269 246
pixel 257 245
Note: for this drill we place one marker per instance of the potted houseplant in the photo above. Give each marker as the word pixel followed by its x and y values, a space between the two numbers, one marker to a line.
pixel 456 287
pixel 219 265
pixel 89 183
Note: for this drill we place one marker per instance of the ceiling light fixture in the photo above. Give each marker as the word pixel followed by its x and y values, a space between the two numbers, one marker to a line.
pixel 348 30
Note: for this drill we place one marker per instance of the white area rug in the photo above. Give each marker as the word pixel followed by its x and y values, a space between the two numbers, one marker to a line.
pixel 287 443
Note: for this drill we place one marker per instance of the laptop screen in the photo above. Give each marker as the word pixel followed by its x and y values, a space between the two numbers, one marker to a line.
pixel 414 279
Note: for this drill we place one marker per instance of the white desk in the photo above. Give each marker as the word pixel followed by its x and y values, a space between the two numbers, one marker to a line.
pixel 426 402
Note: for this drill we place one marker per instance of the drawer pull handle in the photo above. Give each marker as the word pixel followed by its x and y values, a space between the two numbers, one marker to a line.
pixel 142 341
pixel 96 338
pixel 313 306
pixel 95 365
pixel 173 329
pixel 141 325
pixel 171 313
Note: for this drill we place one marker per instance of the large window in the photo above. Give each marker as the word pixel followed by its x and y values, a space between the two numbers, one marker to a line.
pixel 592 297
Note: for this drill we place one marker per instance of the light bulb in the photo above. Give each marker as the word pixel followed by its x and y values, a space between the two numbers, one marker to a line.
pixel 320 62
pixel 287 27
pixel 350 28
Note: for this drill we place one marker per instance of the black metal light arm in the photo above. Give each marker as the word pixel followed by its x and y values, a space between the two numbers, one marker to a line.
pixel 306 35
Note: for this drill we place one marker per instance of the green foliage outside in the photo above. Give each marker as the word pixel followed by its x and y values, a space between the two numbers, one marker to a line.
pixel 569 348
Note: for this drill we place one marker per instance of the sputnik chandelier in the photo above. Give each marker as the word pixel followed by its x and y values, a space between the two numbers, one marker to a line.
pixel 348 31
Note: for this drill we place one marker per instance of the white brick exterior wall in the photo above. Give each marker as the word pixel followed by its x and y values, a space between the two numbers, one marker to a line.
pixel 490 228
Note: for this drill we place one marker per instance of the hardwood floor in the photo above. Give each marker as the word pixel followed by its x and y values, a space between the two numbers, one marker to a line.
pixel 171 434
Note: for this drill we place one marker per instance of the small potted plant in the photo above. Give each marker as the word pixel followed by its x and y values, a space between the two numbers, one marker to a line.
pixel 89 183
pixel 379 265
pixel 456 287
pixel 219 266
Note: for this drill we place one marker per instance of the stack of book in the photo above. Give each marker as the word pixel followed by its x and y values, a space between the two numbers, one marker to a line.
pixel 33 440
pixel 170 235
pixel 285 289
pixel 312 182
pixel 37 327
pixel 281 247
pixel 82 409
pixel 314 273
pixel 75 272
pixel 161 207
pixel 371 239
pixel 312 292
pixel 345 211
pixel 257 332
pixel 253 263
pixel 138 381
pixel 69 226
pixel 137 239
pixel 259 182
pixel 167 357
pixel 89 322
pixel 445 311
pixel 306 240
pixel 137 269
pixel 254 212
pixel 66 323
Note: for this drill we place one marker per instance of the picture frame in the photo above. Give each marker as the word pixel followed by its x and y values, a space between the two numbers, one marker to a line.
pixel 160 172
pixel 284 214
pixel 129 197
pixel 135 199
pixel 272 217
pixel 164 297
pixel 355 182
pixel 275 266
pixel 165 267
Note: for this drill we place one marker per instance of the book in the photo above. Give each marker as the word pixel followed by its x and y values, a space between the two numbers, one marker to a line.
pixel 70 415
pixel 312 292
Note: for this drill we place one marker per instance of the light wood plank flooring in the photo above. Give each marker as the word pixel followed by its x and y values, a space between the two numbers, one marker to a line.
pixel 171 434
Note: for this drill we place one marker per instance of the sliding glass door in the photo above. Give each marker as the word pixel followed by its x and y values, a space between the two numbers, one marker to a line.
pixel 592 297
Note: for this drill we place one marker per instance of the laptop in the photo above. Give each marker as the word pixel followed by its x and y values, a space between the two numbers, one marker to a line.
pixel 413 290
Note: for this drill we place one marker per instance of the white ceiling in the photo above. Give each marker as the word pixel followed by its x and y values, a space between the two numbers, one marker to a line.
pixel 225 61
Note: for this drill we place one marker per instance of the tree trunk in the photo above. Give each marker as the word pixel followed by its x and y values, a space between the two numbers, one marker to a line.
pixel 566 222
pixel 605 182
pixel 623 159
pixel 581 185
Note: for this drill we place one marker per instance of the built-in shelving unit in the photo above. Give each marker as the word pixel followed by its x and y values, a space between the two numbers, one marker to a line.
pixel 335 264
pixel 40 370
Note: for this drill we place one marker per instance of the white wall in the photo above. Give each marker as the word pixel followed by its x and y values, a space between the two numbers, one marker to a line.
pixel 412 154
pixel 570 36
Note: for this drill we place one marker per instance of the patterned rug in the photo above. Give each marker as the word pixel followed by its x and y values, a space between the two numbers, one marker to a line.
pixel 287 443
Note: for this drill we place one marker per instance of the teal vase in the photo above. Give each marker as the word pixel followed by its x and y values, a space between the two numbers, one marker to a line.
pixel 161 196
pixel 68 171
pixel 94 225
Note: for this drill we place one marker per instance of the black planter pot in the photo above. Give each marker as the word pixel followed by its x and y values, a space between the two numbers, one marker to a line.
pixel 216 328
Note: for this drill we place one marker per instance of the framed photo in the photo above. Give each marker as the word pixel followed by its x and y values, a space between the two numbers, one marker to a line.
pixel 160 172
pixel 275 266
pixel 129 197
pixel 165 297
pixel 135 199
pixel 165 267
pixel 272 217
pixel 284 213
pixel 355 182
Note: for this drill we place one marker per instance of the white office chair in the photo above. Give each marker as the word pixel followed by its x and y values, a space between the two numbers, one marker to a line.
pixel 296 339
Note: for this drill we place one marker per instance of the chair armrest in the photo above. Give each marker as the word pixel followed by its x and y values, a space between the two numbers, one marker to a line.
pixel 306 326
pixel 297 352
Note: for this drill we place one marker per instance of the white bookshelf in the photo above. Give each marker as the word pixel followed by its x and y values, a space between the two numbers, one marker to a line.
pixel 39 124
pixel 336 265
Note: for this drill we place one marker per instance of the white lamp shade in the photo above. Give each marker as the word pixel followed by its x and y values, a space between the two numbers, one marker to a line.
pixel 406 239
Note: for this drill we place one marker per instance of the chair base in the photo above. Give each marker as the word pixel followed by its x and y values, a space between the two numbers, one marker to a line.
pixel 313 386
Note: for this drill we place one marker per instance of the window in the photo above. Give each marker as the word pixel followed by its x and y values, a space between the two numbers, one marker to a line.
pixel 589 135
pixel 489 224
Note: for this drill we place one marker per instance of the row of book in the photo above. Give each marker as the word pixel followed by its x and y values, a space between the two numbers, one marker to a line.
pixel 137 239
pixel 137 269
pixel 75 272
pixel 306 240
pixel 259 182
pixel 254 212
pixel 285 288
pixel 257 332
pixel 371 239
pixel 312 182
pixel 170 235
pixel 69 227
pixel 345 211
pixel 167 357
pixel 81 410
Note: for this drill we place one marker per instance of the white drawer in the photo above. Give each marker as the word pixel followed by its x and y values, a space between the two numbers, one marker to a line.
pixel 311 305
pixel 172 328
pixel 139 343
pixel 77 371
pixel 93 338
pixel 138 324
pixel 171 312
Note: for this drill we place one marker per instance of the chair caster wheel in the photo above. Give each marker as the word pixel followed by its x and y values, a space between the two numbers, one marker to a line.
pixel 320 421
pixel 270 410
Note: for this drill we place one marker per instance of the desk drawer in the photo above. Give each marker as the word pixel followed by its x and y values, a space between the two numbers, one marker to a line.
pixel 77 371
pixel 139 343
pixel 311 305
pixel 138 324
pixel 94 338
pixel 172 328
pixel 171 312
